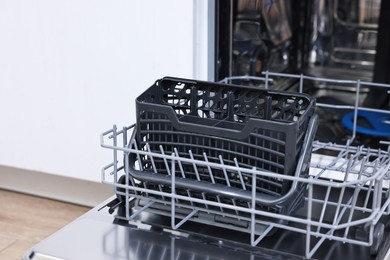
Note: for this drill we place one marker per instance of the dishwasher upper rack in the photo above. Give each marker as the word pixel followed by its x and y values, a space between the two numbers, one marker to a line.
pixel 354 181
pixel 348 209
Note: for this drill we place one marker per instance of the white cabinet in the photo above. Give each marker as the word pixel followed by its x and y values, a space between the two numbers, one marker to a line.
pixel 70 69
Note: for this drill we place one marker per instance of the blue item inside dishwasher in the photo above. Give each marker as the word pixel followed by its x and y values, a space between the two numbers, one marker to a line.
pixel 378 123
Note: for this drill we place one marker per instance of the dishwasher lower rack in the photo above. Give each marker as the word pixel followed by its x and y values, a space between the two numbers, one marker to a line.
pixel 344 197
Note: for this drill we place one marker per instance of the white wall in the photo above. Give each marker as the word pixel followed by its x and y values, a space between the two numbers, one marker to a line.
pixel 71 69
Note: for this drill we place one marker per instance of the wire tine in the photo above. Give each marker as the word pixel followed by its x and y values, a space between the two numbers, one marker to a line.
pixel 227 179
pixel 355 160
pixel 348 169
pixel 182 172
pixel 224 171
pixel 363 168
pixel 209 168
pixel 324 206
pixel 188 217
pixel 139 161
pixel 194 165
pixel 197 176
pixel 138 156
pixel 179 163
pixel 339 213
pixel 253 206
pixel 337 160
pixel 239 174
pixel 355 116
pixel 343 164
pixel 115 153
pixel 212 179
pixel 154 167
pixel 165 160
pixel 368 193
pixel 151 158
pixel 173 193
pixel 308 217
pixel 376 192
pixel 241 178
pixel 355 197
pixel 127 169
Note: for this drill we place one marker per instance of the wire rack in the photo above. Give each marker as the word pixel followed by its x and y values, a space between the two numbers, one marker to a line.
pixel 345 194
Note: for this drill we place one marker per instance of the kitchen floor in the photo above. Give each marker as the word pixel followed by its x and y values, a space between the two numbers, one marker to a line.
pixel 25 220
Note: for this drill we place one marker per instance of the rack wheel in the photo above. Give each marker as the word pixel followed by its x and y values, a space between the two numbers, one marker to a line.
pixel 379 230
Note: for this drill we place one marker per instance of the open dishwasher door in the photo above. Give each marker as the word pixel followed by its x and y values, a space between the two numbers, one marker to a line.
pixel 96 236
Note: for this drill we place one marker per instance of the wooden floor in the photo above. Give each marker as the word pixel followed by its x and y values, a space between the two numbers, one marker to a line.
pixel 25 220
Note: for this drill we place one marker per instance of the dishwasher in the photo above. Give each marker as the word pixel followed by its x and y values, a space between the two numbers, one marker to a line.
pixel 282 154
pixel 248 165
